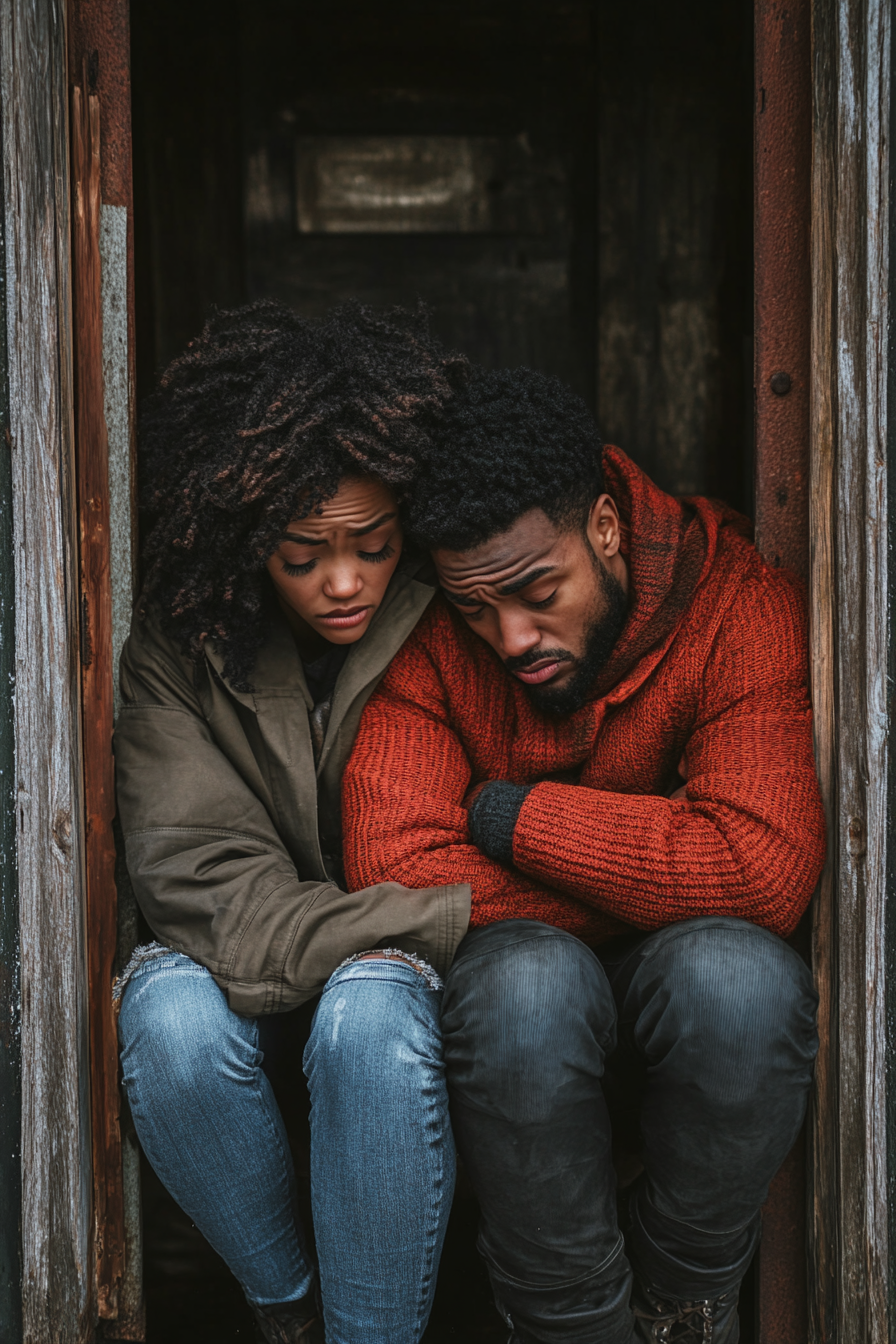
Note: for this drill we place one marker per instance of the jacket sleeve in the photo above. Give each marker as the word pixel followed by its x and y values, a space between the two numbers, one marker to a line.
pixel 403 812
pixel 210 872
pixel 749 837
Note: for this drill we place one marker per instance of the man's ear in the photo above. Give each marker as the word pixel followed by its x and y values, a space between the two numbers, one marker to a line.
pixel 602 528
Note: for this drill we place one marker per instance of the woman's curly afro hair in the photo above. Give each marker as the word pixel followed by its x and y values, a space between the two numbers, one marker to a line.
pixel 255 424
pixel 512 440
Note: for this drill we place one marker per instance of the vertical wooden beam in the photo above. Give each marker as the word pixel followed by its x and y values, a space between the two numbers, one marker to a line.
pixel 99 35
pixel 10 951
pixel 850 646
pixel 782 185
pixel 92 455
pixel 57 1302
pixel 782 147
pixel 99 32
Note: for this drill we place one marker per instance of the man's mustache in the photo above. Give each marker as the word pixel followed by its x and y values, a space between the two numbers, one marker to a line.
pixel 537 656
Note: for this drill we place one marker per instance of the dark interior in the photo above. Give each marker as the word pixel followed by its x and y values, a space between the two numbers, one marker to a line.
pixel 567 184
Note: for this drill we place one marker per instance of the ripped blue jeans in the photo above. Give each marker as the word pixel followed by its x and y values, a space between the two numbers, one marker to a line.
pixel 382 1154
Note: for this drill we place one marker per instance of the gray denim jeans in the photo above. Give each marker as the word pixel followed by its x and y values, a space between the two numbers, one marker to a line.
pixel 699 1038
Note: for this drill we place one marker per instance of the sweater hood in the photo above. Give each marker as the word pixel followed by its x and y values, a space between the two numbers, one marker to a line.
pixel 670 545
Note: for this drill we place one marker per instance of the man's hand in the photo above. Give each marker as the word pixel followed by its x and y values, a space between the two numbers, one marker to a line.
pixel 681 794
pixel 493 814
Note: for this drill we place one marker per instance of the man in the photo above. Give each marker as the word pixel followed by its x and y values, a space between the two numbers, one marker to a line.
pixel 603 726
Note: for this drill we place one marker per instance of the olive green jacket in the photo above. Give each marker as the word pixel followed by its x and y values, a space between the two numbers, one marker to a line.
pixel 223 812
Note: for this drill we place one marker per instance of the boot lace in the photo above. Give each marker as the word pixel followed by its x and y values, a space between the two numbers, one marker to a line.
pixel 675 1321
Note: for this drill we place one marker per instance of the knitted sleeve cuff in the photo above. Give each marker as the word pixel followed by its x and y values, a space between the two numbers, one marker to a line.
pixel 493 818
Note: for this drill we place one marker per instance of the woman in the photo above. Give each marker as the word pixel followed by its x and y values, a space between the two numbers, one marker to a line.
pixel 277 451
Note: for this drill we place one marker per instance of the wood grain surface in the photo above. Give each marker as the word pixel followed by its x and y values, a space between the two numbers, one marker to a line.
pixel 782 108
pixel 92 472
pixel 849 541
pixel 99 32
pixel 56 1156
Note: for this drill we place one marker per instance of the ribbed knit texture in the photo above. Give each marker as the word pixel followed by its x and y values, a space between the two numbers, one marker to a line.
pixel 709 679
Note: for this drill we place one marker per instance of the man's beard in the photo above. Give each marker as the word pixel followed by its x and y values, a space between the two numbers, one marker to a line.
pixel 602 635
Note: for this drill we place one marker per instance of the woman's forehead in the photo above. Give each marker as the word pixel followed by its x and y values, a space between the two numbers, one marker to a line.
pixel 359 501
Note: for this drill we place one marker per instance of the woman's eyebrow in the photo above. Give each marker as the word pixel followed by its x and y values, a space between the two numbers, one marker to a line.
pixel 321 541
pixel 371 527
pixel 302 541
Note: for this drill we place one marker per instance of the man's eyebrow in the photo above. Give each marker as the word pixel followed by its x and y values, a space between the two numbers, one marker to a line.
pixel 516 585
pixel 372 527
pixel 506 589
pixel 461 601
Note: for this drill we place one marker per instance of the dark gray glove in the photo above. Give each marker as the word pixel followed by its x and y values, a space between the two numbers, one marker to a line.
pixel 493 817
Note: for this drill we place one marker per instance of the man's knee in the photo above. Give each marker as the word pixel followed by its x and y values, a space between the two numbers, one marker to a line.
pixel 526 1007
pixel 176 1027
pixel 732 1000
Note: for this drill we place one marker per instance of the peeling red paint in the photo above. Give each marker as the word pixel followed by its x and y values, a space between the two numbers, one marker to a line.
pixel 103 27
pixel 782 145
pixel 99 32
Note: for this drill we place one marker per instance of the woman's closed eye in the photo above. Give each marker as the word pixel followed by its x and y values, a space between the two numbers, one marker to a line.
pixel 377 557
pixel 295 571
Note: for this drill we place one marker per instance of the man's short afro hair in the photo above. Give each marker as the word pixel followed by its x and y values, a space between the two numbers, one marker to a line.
pixel 510 441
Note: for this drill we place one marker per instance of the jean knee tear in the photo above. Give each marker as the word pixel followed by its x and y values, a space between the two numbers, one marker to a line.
pixel 431 976
pixel 139 957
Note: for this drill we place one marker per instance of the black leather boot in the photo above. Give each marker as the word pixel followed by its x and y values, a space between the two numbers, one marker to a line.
pixel 666 1320
pixel 290 1322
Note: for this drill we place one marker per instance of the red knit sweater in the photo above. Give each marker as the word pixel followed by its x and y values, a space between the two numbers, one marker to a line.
pixel 709 678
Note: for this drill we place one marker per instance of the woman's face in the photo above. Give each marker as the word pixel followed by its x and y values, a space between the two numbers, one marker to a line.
pixel 332 568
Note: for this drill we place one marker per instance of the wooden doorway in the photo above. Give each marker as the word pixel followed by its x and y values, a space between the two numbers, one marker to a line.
pixel 679 308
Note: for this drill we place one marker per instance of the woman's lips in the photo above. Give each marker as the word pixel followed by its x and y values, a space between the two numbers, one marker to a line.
pixel 533 676
pixel 344 620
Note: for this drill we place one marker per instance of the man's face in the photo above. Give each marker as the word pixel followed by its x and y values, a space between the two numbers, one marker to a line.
pixel 551 602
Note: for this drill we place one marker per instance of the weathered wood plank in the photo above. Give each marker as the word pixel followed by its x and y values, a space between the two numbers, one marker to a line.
pixel 10 957
pixel 92 457
pixel 99 31
pixel 849 578
pixel 822 634
pixel 674 321
pixel 56 1159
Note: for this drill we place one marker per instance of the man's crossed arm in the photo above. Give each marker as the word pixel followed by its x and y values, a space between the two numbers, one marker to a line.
pixel 747 839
